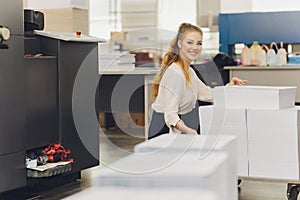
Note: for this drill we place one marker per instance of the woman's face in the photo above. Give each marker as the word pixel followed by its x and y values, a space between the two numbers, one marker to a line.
pixel 190 46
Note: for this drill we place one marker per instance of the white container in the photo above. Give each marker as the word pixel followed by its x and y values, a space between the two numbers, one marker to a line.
pixel 230 122
pixel 119 193
pixel 168 170
pixel 263 57
pixel 281 55
pixel 274 143
pixel 245 57
pixel 255 54
pixel 271 58
pixel 257 97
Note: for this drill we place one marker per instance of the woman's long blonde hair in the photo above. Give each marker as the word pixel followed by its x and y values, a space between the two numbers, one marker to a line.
pixel 172 56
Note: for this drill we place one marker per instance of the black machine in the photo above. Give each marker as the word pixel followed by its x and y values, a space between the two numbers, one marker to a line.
pixel 36 97
pixel 12 98
pixel 33 20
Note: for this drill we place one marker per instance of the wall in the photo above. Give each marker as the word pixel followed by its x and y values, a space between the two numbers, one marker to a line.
pixel 238 6
pixel 99 18
pixel 172 13
pixel 235 6
pixel 275 5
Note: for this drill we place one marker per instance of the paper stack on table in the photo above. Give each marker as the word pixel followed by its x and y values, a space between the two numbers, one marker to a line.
pixel 231 123
pixel 116 62
pixel 273 138
pixel 201 145
pixel 168 170
pixel 264 97
pixel 270 135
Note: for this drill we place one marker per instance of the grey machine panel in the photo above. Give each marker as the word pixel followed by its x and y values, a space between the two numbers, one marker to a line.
pixel 11 16
pixel 12 171
pixel 12 98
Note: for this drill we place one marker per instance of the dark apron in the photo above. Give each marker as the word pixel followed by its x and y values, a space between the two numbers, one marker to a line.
pixel 158 125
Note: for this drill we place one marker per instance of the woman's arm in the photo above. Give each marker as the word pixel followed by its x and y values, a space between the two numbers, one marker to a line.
pixel 183 128
pixel 236 81
pixel 204 92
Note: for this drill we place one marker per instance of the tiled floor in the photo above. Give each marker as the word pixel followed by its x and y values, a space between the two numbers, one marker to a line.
pixel 114 145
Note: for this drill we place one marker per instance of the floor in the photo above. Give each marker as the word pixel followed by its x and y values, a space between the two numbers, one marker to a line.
pixel 114 144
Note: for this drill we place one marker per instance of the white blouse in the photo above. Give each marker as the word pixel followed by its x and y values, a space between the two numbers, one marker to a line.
pixel 176 96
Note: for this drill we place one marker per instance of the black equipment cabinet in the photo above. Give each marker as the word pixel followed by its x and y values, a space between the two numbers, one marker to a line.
pixel 12 98
pixel 41 101
pixel 70 56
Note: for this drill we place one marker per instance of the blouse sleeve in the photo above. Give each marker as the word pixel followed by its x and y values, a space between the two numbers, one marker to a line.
pixel 171 89
pixel 204 92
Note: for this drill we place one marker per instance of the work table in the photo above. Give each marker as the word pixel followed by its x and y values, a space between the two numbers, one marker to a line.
pixel 270 76
pixel 123 91
pixel 287 67
pixel 141 71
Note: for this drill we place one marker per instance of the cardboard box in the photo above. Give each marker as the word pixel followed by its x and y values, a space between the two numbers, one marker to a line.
pixel 232 122
pixel 66 20
pixel 130 120
pixel 119 36
pixel 256 97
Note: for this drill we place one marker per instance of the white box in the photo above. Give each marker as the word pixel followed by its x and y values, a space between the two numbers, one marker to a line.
pixel 233 122
pixel 196 144
pixel 274 140
pixel 274 170
pixel 274 134
pixel 168 170
pixel 265 97
pixel 118 193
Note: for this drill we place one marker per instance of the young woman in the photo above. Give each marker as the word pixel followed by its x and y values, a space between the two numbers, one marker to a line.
pixel 176 88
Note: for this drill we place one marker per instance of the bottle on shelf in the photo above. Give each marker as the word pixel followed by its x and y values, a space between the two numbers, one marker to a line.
pixel 271 55
pixel 281 55
pixel 255 54
pixel 245 57
pixel 263 54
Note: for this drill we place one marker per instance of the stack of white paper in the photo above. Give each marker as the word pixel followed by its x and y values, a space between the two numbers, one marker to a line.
pixel 117 62
pixel 118 193
pixel 214 120
pixel 256 97
pixel 168 170
pixel 201 145
pixel 274 143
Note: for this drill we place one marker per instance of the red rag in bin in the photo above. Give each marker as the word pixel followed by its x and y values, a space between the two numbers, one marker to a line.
pixel 56 152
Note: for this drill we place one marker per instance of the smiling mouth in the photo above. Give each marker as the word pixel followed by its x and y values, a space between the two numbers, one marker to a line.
pixel 194 53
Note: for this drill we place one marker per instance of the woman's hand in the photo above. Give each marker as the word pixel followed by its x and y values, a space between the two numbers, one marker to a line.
pixel 236 81
pixel 183 128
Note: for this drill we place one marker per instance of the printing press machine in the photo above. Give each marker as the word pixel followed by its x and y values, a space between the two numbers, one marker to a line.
pixel 37 99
